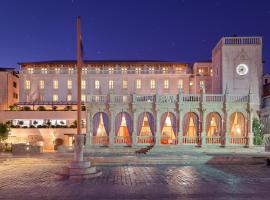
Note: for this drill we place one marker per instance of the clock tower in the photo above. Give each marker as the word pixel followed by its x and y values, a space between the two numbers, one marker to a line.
pixel 237 66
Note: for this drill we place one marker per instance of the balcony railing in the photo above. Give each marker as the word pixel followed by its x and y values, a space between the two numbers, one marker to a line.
pixel 144 98
pixel 97 98
pixel 238 140
pixel 191 140
pixel 214 98
pixel 191 97
pixel 213 140
pixel 100 140
pixel 145 139
pixel 122 140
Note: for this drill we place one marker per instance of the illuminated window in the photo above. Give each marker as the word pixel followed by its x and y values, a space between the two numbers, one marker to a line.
pixel 41 97
pixel 166 84
pixel 83 97
pixel 27 84
pixel 44 70
pixel 124 70
pixel 97 70
pixel 110 84
pixel 200 70
pixel 138 83
pixel 138 70
pixel 151 70
pixel 125 84
pixel 201 84
pixel 55 97
pixel 57 70
pixel 83 84
pixel 125 98
pixel 41 84
pixel 84 70
pixel 179 69
pixel 27 98
pixel 180 84
pixel 211 72
pixel 191 83
pixel 70 70
pixel 30 70
pixel 110 70
pixel 165 70
pixel 152 84
pixel 55 84
pixel 97 86
pixel 69 84
pixel 69 97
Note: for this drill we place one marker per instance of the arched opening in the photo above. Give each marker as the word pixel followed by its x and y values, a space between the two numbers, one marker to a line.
pixel 146 128
pixel 213 128
pixel 168 129
pixel 237 128
pixel 191 128
pixel 100 128
pixel 123 128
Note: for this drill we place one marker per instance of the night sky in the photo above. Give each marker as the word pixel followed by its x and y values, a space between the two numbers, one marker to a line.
pixel 173 30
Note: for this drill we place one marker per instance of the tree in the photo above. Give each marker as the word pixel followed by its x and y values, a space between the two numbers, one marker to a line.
pixel 4 131
pixel 257 131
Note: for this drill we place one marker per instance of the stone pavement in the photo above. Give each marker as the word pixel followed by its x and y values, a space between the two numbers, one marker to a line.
pixel 33 178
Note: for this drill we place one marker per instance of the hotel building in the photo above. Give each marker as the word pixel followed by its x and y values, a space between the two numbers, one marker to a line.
pixel 146 102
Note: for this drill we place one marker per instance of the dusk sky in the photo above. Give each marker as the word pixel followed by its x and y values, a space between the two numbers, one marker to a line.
pixel 171 30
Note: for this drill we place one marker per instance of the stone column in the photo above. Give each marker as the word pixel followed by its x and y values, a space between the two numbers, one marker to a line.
pixel 250 134
pixel 112 132
pixel 134 134
pixel 157 139
pixel 88 128
pixel 180 125
pixel 227 130
pixel 203 131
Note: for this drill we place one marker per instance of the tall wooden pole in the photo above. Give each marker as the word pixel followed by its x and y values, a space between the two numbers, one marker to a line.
pixel 79 69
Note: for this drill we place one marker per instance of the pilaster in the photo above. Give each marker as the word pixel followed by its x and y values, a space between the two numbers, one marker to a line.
pixel 134 134
pixel 112 132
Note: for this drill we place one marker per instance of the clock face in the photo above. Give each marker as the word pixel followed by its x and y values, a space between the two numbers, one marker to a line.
pixel 242 69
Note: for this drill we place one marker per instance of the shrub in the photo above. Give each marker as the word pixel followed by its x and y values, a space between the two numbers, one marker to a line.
pixel 26 108
pixel 257 131
pixel 83 108
pixel 54 107
pixel 4 131
pixel 41 108
pixel 32 126
pixel 67 108
pixel 25 127
pixel 13 107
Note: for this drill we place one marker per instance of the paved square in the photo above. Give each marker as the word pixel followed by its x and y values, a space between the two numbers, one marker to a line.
pixel 33 178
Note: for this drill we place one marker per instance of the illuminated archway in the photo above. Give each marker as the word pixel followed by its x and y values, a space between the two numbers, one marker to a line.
pixel 237 125
pixel 168 128
pixel 213 125
pixel 101 124
pixel 191 125
pixel 123 125
pixel 146 124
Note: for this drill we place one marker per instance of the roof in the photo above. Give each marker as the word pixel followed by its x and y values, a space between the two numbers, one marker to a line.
pixel 7 69
pixel 101 62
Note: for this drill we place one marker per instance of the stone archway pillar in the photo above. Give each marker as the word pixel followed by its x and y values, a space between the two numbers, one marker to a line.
pixel 112 132
pixel 134 133
pixel 180 132
pixel 157 139
pixel 203 131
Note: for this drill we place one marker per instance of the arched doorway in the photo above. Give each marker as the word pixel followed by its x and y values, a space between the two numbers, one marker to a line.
pixel 145 128
pixel 100 128
pixel 168 133
pixel 123 128
pixel 237 128
pixel 191 128
pixel 213 128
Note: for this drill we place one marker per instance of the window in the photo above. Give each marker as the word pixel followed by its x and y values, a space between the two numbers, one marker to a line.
pixel 165 70
pixel 69 97
pixel 44 70
pixel 211 72
pixel 110 70
pixel 83 84
pixel 151 70
pixel 55 84
pixel 41 97
pixel 69 84
pixel 14 84
pixel 70 70
pixel 27 98
pixel 138 84
pixel 191 83
pixel 15 95
pixel 152 84
pixel 180 84
pixel 110 84
pixel 57 70
pixel 97 70
pixel 41 84
pixel 124 70
pixel 27 84
pixel 138 70
pixel 125 84
pixel 166 84
pixel 179 69
pixel 265 81
pixel 125 98
pixel 84 70
pixel 97 86
pixel 83 97
pixel 200 70
pixel 30 70
pixel 201 84
pixel 55 97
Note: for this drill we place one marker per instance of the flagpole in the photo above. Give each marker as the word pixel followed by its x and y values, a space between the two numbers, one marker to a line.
pixel 79 69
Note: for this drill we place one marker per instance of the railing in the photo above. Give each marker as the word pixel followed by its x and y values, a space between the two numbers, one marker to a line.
pixel 214 98
pixel 168 140
pixel 238 140
pixel 144 98
pixel 191 97
pixel 191 140
pixel 122 140
pixel 167 99
pixel 121 98
pixel 145 139
pixel 99 140
pixel 237 98
pixel 97 98
pixel 213 140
